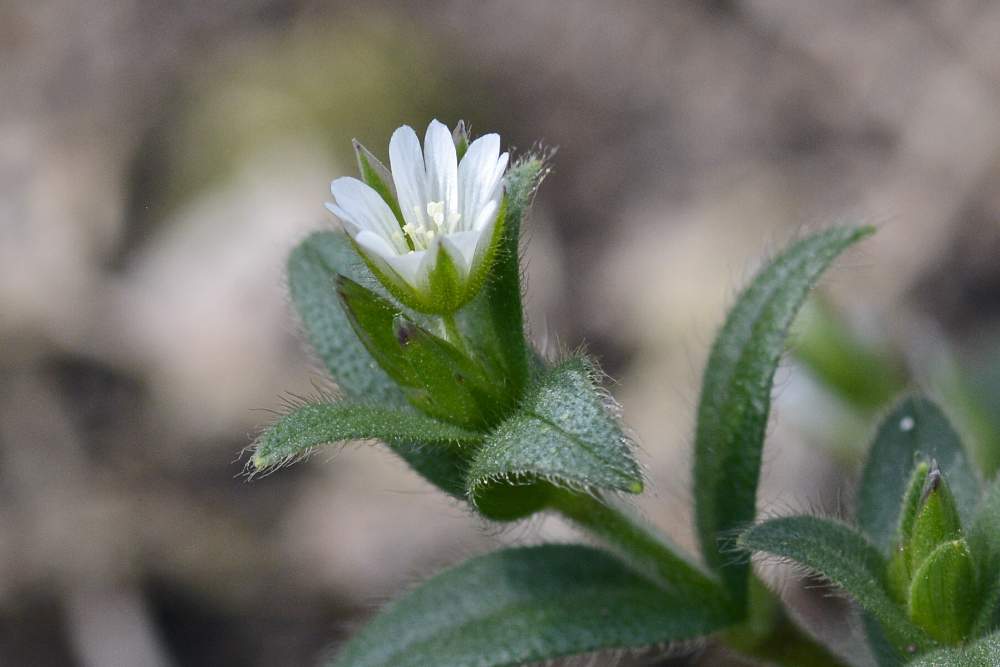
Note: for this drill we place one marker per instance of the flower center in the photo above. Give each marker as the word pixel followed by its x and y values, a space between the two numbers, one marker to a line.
pixel 437 225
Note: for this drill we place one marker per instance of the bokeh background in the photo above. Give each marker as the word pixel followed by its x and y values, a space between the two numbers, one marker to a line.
pixel 159 160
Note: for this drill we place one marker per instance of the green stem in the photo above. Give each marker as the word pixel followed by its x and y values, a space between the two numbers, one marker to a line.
pixel 646 550
pixel 769 635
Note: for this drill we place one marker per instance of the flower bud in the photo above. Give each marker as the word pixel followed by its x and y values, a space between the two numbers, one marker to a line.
pixel 943 596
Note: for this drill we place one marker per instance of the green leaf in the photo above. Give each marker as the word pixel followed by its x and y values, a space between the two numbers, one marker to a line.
pixel 526 605
pixel 943 596
pixel 736 397
pixel 317 424
pixel 900 569
pixel 502 291
pixel 563 435
pixel 936 520
pixel 915 431
pixel 982 653
pixel 842 555
pixel 312 268
pixel 984 543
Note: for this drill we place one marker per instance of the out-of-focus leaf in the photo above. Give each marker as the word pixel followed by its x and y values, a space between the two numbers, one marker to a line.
pixel 562 435
pixel 736 397
pixel 984 543
pixel 864 377
pixel 525 605
pixel 312 269
pixel 915 431
pixel 326 423
pixel 842 555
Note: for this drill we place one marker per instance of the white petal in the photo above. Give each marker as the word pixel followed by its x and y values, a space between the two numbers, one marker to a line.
pixel 487 214
pixel 478 177
pixel 442 168
pixel 407 164
pixel 361 206
pixel 345 220
pixel 462 248
pixel 406 266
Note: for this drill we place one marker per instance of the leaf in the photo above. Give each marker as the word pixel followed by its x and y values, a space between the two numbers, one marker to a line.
pixel 736 397
pixel 982 653
pixel 312 268
pixel 325 423
pixel 943 596
pixel 502 291
pixel 526 605
pixel 984 543
pixel 562 435
pixel 915 431
pixel 434 375
pixel 846 558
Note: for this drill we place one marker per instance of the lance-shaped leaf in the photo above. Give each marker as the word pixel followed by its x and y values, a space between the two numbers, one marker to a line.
pixel 562 435
pixel 312 269
pixel 915 431
pixel 312 425
pixel 984 543
pixel 842 555
pixel 982 653
pixel 736 397
pixel 525 605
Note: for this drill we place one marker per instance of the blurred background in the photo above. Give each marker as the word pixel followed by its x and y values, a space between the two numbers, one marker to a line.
pixel 159 160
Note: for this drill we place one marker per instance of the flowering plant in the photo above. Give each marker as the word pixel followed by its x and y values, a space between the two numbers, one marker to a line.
pixel 416 313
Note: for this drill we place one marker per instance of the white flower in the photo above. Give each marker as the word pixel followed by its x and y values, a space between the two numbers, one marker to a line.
pixel 447 206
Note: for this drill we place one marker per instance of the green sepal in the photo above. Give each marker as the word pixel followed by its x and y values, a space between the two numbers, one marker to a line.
pixel 899 570
pixel 936 520
pixel 562 435
pixel 983 652
pixel 309 426
pixel 446 288
pixel 943 598
pixel 377 176
pixel 460 136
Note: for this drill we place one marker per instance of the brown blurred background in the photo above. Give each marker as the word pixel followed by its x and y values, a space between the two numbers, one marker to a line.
pixel 159 160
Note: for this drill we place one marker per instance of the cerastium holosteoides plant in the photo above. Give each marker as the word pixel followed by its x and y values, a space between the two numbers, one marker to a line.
pixel 416 312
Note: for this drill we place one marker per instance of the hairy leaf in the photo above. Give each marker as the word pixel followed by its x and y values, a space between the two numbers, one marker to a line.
pixel 312 269
pixel 915 431
pixel 562 435
pixel 984 542
pixel 526 605
pixel 842 555
pixel 982 653
pixel 326 423
pixel 502 291
pixel 736 397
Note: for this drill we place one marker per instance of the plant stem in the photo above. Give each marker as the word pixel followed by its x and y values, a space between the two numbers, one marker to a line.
pixel 646 550
pixel 768 635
